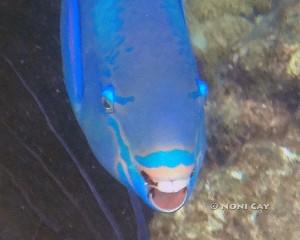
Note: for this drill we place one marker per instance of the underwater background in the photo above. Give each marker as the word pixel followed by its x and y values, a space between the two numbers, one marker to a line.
pixel 249 53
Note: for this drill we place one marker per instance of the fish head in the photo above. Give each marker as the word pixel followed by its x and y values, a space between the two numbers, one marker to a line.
pixel 159 134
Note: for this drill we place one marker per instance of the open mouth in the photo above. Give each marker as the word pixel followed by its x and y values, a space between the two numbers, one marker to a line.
pixel 167 195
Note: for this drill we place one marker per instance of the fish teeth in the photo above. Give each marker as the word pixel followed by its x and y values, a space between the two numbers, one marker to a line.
pixel 172 186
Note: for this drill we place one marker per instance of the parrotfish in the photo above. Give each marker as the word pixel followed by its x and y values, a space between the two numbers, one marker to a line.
pixel 134 86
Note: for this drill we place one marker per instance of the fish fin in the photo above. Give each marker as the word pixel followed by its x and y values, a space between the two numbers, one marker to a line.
pixel 71 51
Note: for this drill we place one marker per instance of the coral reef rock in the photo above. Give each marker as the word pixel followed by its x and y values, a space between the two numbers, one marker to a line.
pixel 249 187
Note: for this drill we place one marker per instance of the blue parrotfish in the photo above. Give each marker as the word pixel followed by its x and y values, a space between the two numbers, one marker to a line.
pixel 135 89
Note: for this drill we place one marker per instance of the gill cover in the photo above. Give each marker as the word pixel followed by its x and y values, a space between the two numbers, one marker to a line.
pixel 133 84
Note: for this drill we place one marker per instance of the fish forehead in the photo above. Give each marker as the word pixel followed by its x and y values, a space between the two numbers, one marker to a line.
pixel 142 48
pixel 136 48
pixel 160 58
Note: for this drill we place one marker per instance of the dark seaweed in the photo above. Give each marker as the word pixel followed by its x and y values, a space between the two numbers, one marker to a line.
pixel 51 185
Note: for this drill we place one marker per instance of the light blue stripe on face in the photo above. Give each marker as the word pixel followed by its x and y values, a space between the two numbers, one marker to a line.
pixel 171 159
pixel 134 175
pixel 123 148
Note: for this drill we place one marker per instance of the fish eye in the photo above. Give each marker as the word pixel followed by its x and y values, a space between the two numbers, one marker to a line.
pixel 202 88
pixel 108 106
pixel 108 99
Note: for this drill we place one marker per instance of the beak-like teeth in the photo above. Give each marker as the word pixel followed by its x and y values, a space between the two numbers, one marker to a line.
pixel 172 186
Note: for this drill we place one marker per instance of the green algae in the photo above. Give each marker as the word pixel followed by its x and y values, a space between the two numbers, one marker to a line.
pixel 293 67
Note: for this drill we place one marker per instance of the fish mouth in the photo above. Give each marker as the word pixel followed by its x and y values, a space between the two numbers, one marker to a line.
pixel 167 195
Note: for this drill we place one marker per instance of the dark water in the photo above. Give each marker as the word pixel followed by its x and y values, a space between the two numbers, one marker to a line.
pixel 51 186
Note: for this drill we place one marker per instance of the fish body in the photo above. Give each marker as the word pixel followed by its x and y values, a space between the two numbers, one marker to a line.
pixel 134 87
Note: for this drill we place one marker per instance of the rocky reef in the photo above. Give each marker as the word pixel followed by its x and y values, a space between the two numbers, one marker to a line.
pixel 249 188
